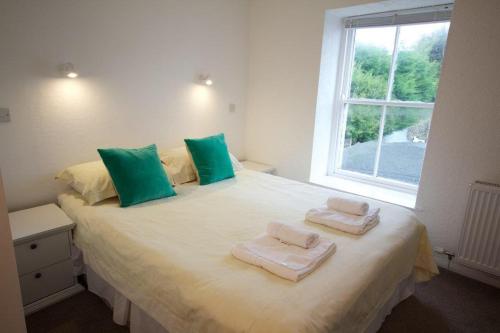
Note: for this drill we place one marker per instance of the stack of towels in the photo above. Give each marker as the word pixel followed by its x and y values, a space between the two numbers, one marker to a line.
pixel 347 215
pixel 286 251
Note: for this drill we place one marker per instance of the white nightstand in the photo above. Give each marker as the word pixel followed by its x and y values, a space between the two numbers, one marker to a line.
pixel 42 243
pixel 260 167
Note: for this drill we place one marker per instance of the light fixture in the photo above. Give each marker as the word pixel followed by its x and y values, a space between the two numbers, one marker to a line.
pixel 68 70
pixel 206 80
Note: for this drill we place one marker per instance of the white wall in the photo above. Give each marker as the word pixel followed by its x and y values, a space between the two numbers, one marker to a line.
pixel 138 61
pixel 464 143
pixel 285 52
pixel 11 308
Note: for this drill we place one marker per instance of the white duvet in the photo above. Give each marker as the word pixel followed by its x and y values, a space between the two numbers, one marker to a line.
pixel 172 258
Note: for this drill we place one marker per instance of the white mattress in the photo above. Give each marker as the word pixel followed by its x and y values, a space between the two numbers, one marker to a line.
pixel 172 258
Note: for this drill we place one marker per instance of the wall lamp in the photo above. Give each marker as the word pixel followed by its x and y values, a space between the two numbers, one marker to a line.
pixel 206 80
pixel 68 70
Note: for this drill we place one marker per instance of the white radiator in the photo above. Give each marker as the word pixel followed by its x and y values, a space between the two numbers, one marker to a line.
pixel 479 245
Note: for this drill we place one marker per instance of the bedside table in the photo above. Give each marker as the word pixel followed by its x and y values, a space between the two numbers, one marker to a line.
pixel 42 244
pixel 259 167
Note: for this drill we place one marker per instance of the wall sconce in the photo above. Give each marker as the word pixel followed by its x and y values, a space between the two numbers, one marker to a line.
pixel 206 80
pixel 68 70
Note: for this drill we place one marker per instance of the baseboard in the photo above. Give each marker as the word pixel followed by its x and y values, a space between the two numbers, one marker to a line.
pixel 51 299
pixel 492 280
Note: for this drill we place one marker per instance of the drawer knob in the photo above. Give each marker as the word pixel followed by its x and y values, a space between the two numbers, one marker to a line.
pixel 33 246
pixel 38 275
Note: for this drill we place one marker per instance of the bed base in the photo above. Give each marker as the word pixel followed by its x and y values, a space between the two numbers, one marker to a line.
pixel 127 313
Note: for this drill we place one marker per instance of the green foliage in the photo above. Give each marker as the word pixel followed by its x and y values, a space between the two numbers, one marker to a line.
pixel 415 79
pixel 371 72
pixel 433 45
pixel 399 118
pixel 363 123
pixel 367 85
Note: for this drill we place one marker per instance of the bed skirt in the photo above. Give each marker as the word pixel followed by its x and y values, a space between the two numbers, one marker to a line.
pixel 128 313
pixel 124 311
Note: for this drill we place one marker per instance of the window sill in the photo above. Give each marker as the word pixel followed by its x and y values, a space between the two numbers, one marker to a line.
pixel 396 197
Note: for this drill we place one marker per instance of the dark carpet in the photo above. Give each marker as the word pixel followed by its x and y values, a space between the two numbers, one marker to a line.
pixel 448 303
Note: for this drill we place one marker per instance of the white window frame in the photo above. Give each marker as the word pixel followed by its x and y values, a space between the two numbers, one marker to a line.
pixel 341 102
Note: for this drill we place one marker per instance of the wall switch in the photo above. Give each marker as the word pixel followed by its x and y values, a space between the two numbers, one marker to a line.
pixel 4 115
pixel 232 107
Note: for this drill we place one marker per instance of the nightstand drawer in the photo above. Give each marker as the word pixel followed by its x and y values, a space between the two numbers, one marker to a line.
pixel 42 252
pixel 46 281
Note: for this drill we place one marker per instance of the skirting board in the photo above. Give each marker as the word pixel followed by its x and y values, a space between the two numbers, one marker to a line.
pixel 442 261
pixel 54 298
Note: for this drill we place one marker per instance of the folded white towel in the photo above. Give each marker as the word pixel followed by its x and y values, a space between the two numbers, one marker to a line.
pixel 287 261
pixel 349 206
pixel 353 224
pixel 292 235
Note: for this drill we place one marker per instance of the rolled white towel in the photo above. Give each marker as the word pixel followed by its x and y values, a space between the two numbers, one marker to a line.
pixel 353 224
pixel 292 235
pixel 349 206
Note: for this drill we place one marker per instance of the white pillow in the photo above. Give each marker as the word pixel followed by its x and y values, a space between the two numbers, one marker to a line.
pixel 92 181
pixel 180 166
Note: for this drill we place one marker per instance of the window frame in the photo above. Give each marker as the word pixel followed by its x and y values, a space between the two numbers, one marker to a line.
pixel 342 100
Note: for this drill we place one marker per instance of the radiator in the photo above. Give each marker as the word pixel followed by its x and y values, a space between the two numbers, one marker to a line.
pixel 479 245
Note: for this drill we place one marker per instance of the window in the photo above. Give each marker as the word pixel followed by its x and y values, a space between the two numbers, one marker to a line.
pixel 391 66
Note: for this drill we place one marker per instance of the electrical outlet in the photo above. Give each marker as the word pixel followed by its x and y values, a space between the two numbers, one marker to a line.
pixel 232 107
pixel 4 115
pixel 442 250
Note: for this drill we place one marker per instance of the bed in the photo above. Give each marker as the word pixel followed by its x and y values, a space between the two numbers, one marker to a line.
pixel 170 260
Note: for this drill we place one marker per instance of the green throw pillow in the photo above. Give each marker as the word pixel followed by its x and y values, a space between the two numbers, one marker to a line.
pixel 137 174
pixel 211 158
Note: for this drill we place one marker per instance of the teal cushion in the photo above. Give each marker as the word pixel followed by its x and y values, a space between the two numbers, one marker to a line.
pixel 211 158
pixel 137 174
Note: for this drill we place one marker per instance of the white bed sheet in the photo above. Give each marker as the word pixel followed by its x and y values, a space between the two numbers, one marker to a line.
pixel 172 258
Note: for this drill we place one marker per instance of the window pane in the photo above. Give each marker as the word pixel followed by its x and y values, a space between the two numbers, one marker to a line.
pixel 421 51
pixel 361 137
pixel 403 144
pixel 373 49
